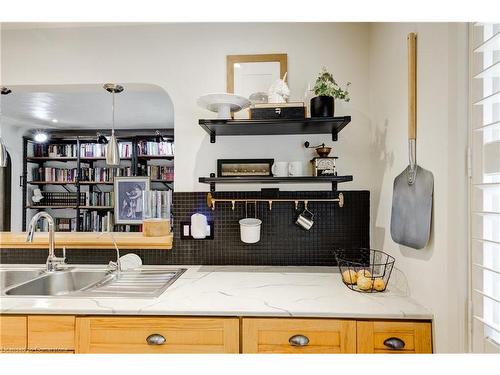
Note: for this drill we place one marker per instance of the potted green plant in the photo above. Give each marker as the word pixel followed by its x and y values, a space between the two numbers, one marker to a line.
pixel 326 90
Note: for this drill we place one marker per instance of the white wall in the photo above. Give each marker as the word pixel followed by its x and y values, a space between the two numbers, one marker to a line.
pixel 436 275
pixel 188 60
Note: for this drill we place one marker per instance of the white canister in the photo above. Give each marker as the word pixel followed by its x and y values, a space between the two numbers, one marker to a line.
pixel 295 168
pixel 250 230
pixel 280 169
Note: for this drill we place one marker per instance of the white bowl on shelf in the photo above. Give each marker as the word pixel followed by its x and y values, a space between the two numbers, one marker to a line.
pixel 223 103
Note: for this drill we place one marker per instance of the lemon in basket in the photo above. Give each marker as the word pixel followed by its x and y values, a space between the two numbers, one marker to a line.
pixel 350 277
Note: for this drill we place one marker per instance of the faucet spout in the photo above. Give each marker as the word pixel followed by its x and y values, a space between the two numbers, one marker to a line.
pixel 52 260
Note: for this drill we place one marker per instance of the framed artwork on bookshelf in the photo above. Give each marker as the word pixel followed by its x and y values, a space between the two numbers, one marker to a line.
pixel 128 199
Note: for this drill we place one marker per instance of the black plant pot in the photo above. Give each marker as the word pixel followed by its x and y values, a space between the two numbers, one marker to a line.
pixel 322 106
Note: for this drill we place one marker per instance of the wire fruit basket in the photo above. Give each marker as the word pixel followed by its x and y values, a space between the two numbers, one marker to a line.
pixel 371 277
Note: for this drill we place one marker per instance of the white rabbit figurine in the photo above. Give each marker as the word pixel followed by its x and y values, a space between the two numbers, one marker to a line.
pixel 279 91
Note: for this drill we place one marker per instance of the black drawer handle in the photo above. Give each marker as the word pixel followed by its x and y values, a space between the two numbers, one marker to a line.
pixel 298 340
pixel 156 339
pixel 394 343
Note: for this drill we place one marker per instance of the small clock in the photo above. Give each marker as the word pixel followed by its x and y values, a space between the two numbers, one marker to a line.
pixel 324 166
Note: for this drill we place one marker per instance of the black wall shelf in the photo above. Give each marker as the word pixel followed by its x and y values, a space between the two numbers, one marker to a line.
pixel 324 125
pixel 334 180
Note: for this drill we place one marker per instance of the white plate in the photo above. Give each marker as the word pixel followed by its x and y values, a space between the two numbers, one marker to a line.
pixel 130 261
pixel 223 103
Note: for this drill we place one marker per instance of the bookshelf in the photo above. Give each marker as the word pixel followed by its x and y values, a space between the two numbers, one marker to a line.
pixel 73 163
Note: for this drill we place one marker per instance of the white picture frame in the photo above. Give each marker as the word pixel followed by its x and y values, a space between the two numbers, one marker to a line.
pixel 128 199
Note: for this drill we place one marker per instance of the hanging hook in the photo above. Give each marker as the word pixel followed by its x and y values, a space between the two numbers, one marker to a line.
pixel 341 200
pixel 233 203
pixel 305 205
pixel 270 205
pixel 296 205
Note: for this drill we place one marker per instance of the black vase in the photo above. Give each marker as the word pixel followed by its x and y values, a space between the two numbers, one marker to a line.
pixel 322 106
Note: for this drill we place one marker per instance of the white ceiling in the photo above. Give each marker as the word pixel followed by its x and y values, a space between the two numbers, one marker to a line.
pixel 88 107
pixel 57 25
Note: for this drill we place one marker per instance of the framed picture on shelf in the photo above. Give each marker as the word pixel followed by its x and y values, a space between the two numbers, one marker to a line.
pixel 128 199
pixel 253 74
pixel 244 167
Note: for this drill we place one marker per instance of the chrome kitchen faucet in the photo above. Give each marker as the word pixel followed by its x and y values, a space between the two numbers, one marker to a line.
pixel 52 261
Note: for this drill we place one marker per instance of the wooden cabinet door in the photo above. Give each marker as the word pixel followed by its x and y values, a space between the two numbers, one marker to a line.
pixel 294 335
pixel 157 335
pixel 51 333
pixel 394 337
pixel 13 333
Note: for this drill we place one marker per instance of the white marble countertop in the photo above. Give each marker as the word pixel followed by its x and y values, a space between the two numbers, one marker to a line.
pixel 240 291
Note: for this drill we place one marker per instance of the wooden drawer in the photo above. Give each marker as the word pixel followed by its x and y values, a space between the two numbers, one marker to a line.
pixel 13 333
pixel 182 335
pixel 375 337
pixel 51 333
pixel 274 335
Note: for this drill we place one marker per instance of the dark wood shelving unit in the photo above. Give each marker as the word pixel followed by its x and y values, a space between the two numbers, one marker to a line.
pixel 41 159
pixel 96 182
pixel 324 125
pixel 51 182
pixel 51 207
pixel 153 157
pixel 96 208
pixel 77 137
pixel 334 180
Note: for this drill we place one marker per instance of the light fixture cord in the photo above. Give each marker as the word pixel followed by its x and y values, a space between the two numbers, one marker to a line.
pixel 113 111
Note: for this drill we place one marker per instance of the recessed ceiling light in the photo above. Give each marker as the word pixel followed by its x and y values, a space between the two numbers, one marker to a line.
pixel 41 137
pixel 55 121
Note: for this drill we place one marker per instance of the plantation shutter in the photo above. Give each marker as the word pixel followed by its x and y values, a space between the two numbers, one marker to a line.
pixel 484 188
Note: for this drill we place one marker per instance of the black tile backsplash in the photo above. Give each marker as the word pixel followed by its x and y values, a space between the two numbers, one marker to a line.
pixel 282 242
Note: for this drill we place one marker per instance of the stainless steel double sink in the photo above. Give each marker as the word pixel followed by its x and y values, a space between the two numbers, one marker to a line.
pixel 85 281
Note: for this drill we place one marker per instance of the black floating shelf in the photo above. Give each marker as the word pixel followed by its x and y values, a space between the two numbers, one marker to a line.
pixel 274 180
pixel 323 125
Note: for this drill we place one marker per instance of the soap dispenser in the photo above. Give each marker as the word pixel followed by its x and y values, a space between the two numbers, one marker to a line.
pixel 199 226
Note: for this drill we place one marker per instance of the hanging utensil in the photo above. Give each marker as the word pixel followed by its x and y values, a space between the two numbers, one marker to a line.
pixel 413 188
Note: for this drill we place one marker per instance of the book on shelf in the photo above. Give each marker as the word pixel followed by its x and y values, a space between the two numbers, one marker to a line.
pixel 157 172
pixel 98 150
pixel 50 174
pixel 128 228
pixel 62 224
pixel 103 174
pixel 146 148
pixel 95 221
pixel 92 150
pixel 99 198
pixel 54 150
pixel 52 198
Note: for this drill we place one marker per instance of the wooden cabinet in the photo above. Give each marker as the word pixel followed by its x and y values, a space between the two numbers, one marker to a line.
pixel 161 334
pixel 51 333
pixel 394 337
pixel 293 335
pixel 13 333
pixel 157 335
pixel 37 333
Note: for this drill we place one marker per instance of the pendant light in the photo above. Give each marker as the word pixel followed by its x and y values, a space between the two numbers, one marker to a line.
pixel 3 148
pixel 112 151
